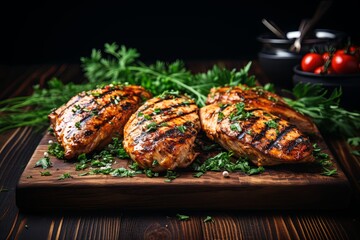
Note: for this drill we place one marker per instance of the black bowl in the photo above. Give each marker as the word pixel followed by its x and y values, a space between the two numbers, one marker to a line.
pixel 318 38
pixel 279 68
pixel 349 84
pixel 277 60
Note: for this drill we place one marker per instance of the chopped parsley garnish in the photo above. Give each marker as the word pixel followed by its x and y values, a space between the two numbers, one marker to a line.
pixel 186 102
pixel 271 98
pixel 78 125
pixel 134 166
pixel 329 172
pixel 223 106
pixel 171 175
pixel 163 124
pixel 64 176
pixel 44 163
pixel 354 141
pixel 147 117
pixel 169 94
pixel 198 174
pixel 95 94
pixel 46 173
pixel 272 124
pixel 220 116
pixel 182 217
pixel 94 112
pixel 149 173
pixel 323 159
pixel 152 126
pixel 240 107
pixel 181 128
pixel 240 113
pixel 157 110
pixel 223 161
pixel 123 172
pixel 208 219
pixel 56 150
pixel 235 127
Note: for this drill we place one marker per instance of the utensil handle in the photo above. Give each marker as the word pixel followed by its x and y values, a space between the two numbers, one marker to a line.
pixel 273 28
pixel 308 25
pixel 320 11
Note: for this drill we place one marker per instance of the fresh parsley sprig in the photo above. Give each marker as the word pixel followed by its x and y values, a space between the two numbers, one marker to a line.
pixel 116 64
pixel 323 159
pixel 224 162
pixel 313 100
pixel 121 65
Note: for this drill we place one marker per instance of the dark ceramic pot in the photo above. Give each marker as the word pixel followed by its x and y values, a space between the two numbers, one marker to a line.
pixel 349 84
pixel 277 61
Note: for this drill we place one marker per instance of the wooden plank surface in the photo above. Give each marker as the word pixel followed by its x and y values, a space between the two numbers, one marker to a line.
pixel 282 187
pixel 17 147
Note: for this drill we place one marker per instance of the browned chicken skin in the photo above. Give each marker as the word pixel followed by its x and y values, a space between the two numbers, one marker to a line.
pixel 160 136
pixel 261 99
pixel 89 120
pixel 265 138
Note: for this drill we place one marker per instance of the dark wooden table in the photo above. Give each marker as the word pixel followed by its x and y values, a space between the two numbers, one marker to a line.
pixel 17 146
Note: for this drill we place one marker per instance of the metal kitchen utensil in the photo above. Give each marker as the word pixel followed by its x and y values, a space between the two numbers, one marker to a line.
pixel 308 25
pixel 273 28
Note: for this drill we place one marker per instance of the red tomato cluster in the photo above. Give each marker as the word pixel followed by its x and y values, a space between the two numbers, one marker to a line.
pixel 341 61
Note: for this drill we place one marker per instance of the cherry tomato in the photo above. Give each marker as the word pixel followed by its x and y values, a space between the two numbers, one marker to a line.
pixel 311 61
pixel 326 56
pixel 321 70
pixel 355 50
pixel 344 63
pixel 351 50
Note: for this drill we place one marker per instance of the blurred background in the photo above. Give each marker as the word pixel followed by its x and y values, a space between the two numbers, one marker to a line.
pixel 52 32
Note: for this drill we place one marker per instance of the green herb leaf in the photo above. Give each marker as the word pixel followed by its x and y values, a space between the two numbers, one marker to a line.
pixel 313 100
pixel 198 174
pixel 235 127
pixel 208 219
pixel 56 150
pixel 323 159
pixel 46 173
pixel 64 176
pixel 44 163
pixel 356 152
pixel 354 141
pixel 224 162
pixel 182 217
pixel 181 128
pixel 329 172
pixel 123 172
pixel 171 175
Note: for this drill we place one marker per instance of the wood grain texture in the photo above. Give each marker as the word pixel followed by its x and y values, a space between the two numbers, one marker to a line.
pixel 281 187
pixel 17 147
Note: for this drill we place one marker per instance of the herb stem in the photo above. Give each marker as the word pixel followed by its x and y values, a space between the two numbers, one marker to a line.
pixel 200 97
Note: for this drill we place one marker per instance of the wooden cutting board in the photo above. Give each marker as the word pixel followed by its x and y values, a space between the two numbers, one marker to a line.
pixel 280 187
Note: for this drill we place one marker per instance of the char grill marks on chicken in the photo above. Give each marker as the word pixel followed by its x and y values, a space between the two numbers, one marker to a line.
pixel 248 131
pixel 89 120
pixel 257 97
pixel 160 135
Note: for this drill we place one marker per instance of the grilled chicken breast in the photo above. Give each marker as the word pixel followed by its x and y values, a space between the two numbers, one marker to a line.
pixel 160 135
pixel 89 120
pixel 261 99
pixel 265 138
